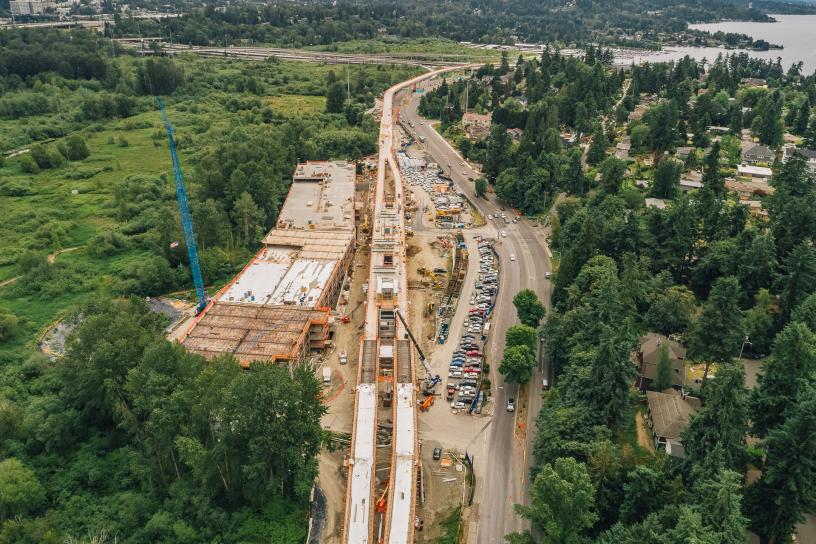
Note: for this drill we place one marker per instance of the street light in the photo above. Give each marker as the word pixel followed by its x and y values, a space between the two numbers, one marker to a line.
pixel 742 348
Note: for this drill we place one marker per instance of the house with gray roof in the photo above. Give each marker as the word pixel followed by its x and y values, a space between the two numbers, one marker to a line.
pixel 808 154
pixel 668 415
pixel 758 153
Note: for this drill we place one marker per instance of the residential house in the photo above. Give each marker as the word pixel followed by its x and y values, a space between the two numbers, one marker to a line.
pixel 648 355
pixel 691 181
pixel 715 129
pixel 756 209
pixel 809 154
pixel 668 415
pixel 637 113
pixel 658 203
pixel 748 189
pixel 758 154
pixel 515 133
pixel 756 173
pixel 682 153
pixel 754 82
pixel 568 139
pixel 622 150
pixel 476 125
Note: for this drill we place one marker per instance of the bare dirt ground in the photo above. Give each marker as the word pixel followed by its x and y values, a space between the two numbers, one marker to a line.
pixel 424 255
pixel 444 489
pixel 332 482
pixel 644 435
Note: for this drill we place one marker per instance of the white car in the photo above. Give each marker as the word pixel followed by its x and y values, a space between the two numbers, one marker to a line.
pixel 490 216
pixel 504 234
pixel 512 257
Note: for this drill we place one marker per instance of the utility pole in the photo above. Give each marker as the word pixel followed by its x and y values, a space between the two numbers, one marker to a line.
pixel 348 82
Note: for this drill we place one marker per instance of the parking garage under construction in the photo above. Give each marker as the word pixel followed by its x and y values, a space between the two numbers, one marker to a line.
pixel 277 308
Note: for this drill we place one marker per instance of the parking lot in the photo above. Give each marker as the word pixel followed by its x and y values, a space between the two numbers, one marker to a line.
pixel 467 361
pixel 451 209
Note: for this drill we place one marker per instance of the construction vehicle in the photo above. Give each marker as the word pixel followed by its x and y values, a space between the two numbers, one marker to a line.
pixel 184 211
pixel 346 318
pixel 382 501
pixel 427 403
pixel 431 379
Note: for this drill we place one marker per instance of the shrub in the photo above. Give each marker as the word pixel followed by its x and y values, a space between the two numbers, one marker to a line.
pixel 107 243
pixel 31 260
pixel 29 165
pixel 55 158
pixel 150 276
pixel 40 155
pixel 77 148
pixel 10 187
pixel 8 325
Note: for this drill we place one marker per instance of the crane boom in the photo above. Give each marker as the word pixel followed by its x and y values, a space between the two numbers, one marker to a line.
pixel 184 212
pixel 431 379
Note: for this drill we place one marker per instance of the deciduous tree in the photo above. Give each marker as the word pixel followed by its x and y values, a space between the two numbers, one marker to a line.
pixel 521 335
pixel 562 502
pixel 529 308
pixel 517 364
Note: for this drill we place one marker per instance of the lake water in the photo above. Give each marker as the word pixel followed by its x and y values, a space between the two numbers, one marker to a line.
pixel 796 33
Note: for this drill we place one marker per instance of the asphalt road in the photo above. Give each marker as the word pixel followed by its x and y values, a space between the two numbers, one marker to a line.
pixel 508 458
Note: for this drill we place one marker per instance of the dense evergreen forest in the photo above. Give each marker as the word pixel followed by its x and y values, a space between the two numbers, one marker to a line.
pixel 128 438
pixel 699 267
pixel 482 21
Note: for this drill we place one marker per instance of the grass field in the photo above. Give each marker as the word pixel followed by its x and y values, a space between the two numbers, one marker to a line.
pixel 72 206
pixel 419 46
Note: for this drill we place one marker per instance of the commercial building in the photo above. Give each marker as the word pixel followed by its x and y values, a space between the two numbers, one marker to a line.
pixel 277 308
pixel 20 8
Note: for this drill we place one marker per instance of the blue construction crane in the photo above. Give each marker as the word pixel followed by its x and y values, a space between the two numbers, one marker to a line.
pixel 184 211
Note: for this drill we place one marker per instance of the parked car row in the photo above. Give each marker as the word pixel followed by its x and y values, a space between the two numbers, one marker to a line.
pixel 466 364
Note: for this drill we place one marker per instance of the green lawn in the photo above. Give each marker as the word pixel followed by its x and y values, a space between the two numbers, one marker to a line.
pixel 72 205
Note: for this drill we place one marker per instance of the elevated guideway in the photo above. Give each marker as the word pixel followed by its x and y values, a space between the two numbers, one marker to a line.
pixel 386 354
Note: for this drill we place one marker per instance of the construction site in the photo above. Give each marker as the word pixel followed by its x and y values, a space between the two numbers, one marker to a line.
pixel 297 301
pixel 278 307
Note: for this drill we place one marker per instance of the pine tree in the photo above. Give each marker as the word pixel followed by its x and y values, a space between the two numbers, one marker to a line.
pixel 810 134
pixel 597 148
pixel 664 378
pixel 722 421
pixel 574 178
pixel 790 370
pixel 718 334
pixel 803 115
pixel 335 98
pixel 667 179
pixel 712 179
pixel 787 489
pixel 720 505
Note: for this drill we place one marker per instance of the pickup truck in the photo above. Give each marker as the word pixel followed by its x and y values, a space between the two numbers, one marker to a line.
pixel 343 357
